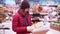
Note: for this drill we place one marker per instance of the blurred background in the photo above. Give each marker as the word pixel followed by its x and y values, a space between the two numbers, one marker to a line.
pixel 46 11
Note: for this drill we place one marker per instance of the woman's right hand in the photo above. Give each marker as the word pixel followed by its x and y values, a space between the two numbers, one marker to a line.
pixel 29 28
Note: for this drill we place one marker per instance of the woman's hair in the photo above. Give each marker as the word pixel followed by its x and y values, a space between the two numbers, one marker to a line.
pixel 24 5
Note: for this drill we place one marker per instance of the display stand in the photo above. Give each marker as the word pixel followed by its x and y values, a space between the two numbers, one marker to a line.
pixel 35 19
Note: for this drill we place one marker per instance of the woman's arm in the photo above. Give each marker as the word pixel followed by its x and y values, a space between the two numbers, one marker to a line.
pixel 15 25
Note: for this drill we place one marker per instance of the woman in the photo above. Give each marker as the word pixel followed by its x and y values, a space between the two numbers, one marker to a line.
pixel 21 21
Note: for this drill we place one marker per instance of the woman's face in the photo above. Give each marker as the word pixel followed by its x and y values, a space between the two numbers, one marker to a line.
pixel 25 11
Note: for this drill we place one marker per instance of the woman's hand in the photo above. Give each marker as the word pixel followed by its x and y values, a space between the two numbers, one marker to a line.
pixel 29 28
